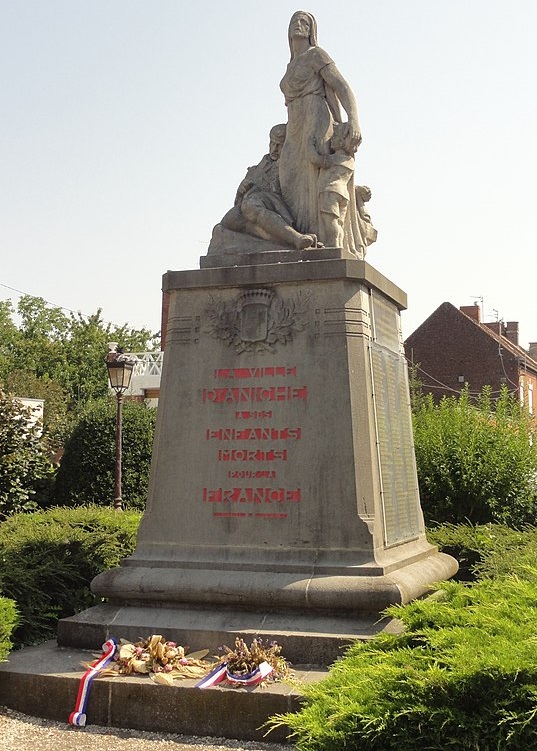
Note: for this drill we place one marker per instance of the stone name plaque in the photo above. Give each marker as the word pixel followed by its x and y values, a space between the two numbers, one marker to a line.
pixel 400 499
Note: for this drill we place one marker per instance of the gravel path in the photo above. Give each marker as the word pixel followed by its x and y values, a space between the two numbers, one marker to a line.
pixel 19 732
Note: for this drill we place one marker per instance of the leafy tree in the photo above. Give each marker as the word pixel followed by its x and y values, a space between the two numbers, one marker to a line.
pixel 65 349
pixel 24 383
pixel 476 462
pixel 85 376
pixel 9 336
pixel 24 466
pixel 86 473
pixel 48 354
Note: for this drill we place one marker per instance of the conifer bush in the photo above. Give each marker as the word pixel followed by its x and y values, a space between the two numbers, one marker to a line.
pixel 485 550
pixel 461 677
pixel 48 559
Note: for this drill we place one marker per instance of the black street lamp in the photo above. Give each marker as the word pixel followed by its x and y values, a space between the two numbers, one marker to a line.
pixel 120 368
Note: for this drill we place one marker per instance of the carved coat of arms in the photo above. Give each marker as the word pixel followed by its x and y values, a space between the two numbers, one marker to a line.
pixel 257 319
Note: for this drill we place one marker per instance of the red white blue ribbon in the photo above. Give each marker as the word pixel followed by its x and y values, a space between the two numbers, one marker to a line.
pixel 215 676
pixel 221 673
pixel 78 715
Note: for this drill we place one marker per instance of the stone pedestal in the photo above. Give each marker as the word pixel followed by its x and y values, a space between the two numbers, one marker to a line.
pixel 283 482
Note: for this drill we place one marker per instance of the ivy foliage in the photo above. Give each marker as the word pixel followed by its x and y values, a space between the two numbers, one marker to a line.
pixel 86 472
pixel 477 461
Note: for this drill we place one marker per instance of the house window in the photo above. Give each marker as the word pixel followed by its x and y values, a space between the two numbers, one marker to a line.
pixel 530 397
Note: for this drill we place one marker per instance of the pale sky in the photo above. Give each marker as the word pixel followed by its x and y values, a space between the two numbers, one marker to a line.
pixel 127 125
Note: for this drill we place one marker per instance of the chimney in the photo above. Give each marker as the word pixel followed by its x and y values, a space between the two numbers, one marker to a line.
pixel 472 311
pixel 532 351
pixel 495 326
pixel 511 331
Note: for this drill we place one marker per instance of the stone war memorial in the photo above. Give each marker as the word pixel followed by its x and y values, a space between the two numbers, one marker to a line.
pixel 283 499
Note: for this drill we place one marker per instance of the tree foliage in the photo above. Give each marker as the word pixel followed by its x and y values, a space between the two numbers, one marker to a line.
pixel 67 349
pixel 476 461
pixel 46 353
pixel 24 383
pixel 86 473
pixel 24 465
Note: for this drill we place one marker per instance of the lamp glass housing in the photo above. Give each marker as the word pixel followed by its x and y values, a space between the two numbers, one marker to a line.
pixel 119 374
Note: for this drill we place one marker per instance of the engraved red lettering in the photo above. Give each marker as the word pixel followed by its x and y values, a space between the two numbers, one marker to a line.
pixel 212 496
pixel 300 393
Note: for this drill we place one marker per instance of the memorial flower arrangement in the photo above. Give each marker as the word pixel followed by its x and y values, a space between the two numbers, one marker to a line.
pixel 244 660
pixel 164 661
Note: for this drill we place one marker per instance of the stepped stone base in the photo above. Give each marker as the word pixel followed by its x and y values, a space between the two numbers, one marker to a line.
pixel 43 681
pixel 310 639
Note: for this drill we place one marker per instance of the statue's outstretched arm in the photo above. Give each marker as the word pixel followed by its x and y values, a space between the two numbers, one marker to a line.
pixel 341 88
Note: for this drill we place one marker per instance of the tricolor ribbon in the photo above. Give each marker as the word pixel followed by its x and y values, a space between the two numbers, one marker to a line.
pixel 221 673
pixel 78 715
pixel 215 676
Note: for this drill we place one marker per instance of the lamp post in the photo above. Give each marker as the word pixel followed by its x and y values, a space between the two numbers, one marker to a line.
pixel 120 369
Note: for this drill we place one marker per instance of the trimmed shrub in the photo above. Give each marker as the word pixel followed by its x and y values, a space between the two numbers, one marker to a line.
pixel 463 676
pixel 8 621
pixel 86 472
pixel 485 550
pixel 48 559
pixel 476 462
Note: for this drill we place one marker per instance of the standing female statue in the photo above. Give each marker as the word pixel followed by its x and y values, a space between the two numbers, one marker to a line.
pixel 314 89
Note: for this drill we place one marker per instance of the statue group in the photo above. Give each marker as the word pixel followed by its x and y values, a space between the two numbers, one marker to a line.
pixel 302 194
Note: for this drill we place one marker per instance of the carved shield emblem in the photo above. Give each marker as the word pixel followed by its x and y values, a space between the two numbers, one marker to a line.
pixel 253 310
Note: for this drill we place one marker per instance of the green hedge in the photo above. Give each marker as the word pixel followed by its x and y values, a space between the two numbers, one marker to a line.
pixel 48 559
pixel 8 620
pixel 86 472
pixel 477 462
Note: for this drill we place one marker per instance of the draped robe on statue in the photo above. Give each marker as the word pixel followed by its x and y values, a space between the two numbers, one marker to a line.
pixel 312 110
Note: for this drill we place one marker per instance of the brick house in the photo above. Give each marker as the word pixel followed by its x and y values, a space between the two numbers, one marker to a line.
pixel 453 347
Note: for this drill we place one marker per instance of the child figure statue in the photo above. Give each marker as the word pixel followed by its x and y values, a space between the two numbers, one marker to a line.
pixel 337 169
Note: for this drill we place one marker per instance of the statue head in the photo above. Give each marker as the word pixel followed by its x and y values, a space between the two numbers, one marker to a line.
pixel 277 137
pixel 302 23
pixel 364 192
